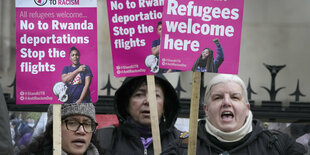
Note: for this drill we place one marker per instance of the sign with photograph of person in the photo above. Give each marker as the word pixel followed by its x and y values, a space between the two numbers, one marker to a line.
pixel 135 30
pixel 201 36
pixel 56 51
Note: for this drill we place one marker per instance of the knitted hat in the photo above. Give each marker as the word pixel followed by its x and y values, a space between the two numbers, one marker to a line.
pixel 71 109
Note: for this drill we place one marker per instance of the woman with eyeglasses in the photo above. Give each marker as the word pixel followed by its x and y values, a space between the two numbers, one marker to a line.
pixel 77 126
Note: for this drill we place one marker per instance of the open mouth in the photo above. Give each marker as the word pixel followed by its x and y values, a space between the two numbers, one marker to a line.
pixel 146 112
pixel 79 141
pixel 227 115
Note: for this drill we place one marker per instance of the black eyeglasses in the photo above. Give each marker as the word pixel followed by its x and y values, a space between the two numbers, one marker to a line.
pixel 74 125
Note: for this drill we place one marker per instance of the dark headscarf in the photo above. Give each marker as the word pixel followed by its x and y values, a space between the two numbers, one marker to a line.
pixel 130 84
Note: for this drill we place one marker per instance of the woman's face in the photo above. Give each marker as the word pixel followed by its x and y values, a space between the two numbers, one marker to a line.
pixel 139 108
pixel 226 108
pixel 75 57
pixel 205 53
pixel 75 143
pixel 159 30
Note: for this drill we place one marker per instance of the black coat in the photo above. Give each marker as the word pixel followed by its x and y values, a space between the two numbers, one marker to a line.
pixel 258 142
pixel 125 140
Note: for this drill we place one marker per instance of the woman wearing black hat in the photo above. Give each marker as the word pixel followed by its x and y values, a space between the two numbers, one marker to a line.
pixel 133 135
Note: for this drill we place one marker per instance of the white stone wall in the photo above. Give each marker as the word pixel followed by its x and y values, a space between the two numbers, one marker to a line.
pixel 276 32
pixel 7 44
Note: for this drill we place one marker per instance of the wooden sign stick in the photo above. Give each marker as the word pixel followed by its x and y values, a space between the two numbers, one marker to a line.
pixel 153 112
pixel 194 110
pixel 56 129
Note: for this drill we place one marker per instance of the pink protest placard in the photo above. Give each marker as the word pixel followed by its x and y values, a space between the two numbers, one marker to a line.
pixel 56 51
pixel 134 36
pixel 201 35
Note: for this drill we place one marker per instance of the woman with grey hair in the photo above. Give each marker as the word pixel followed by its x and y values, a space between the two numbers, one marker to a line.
pixel 229 127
